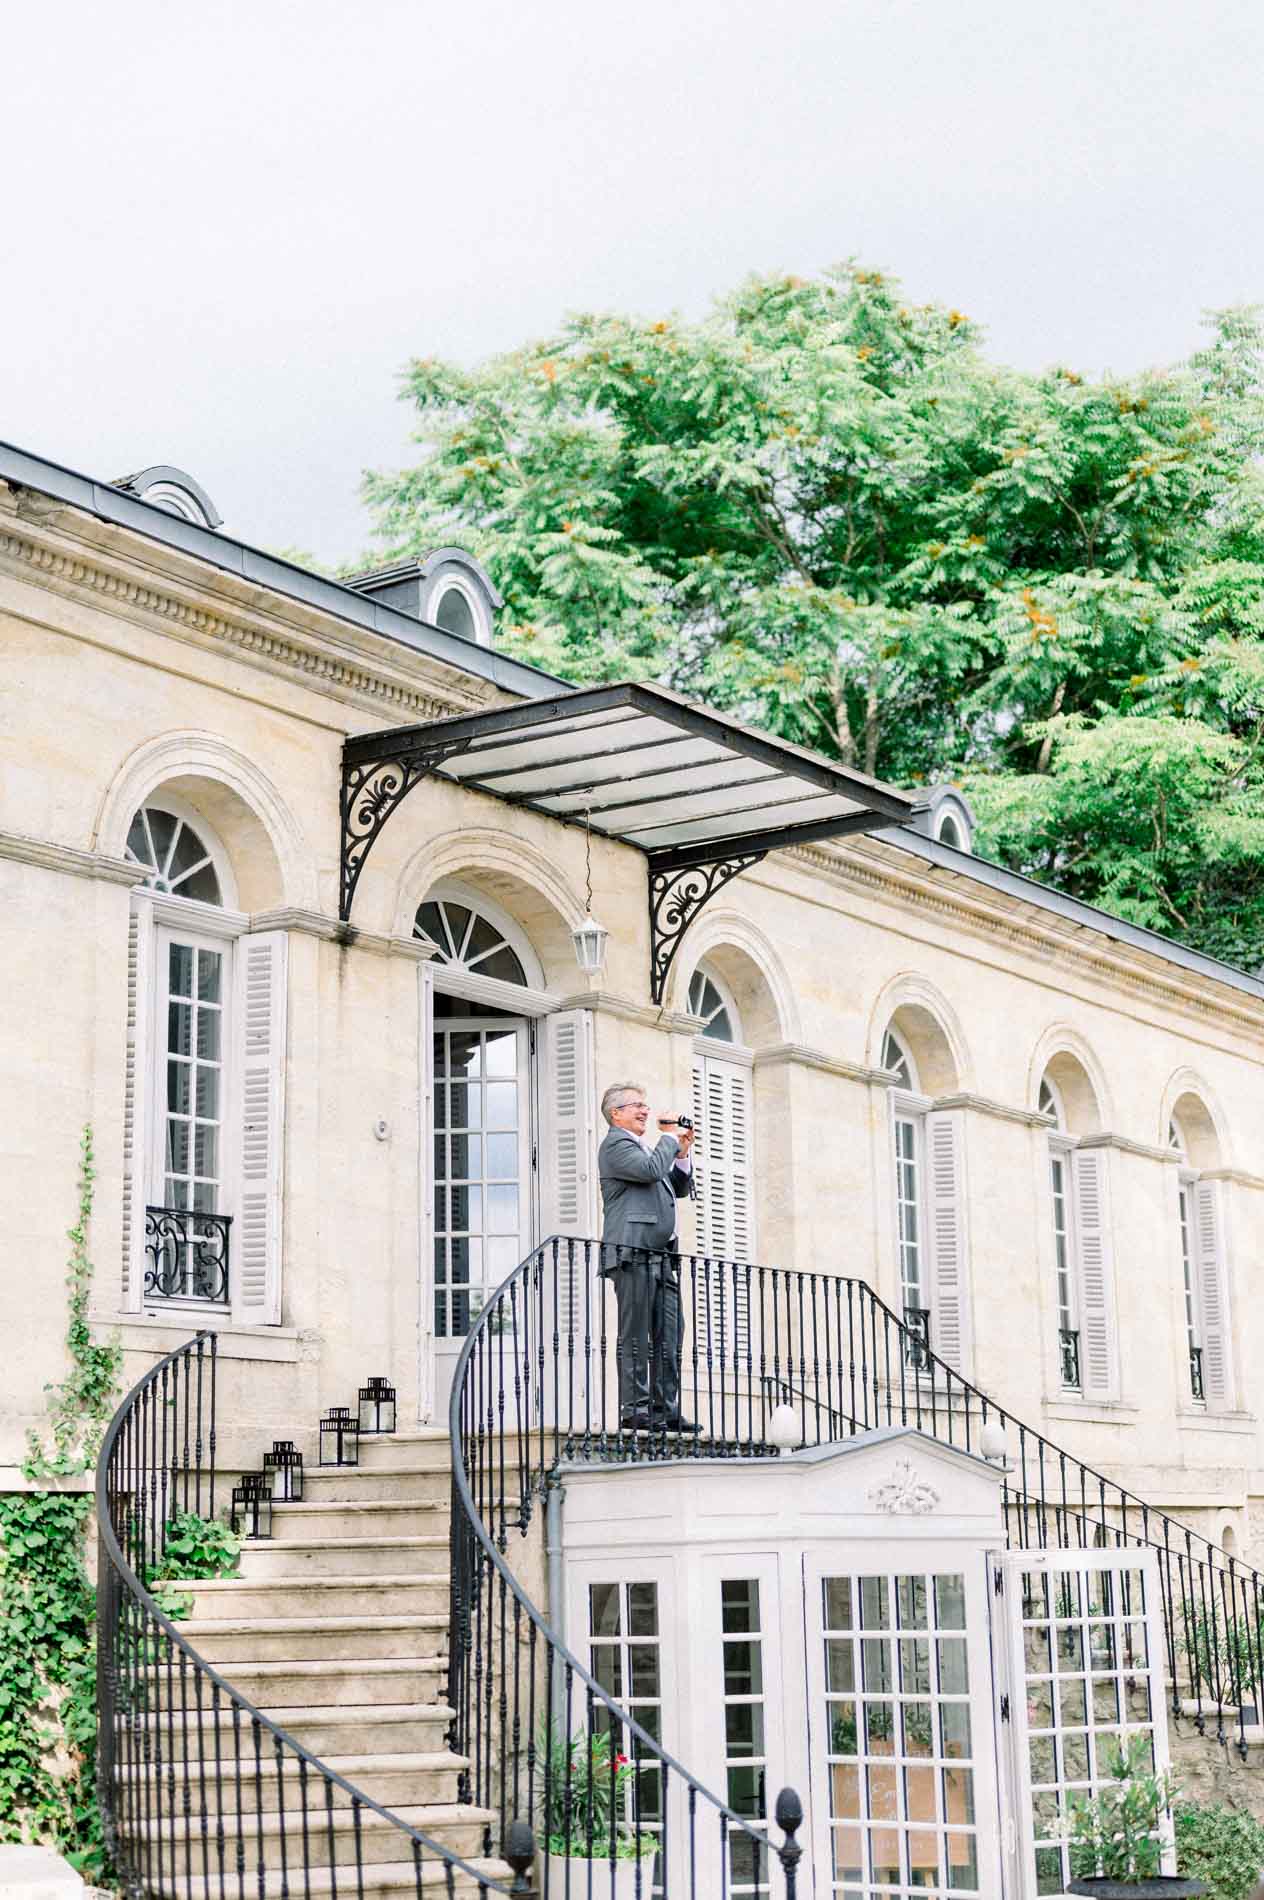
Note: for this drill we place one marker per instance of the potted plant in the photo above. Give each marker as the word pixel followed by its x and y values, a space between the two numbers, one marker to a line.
pixel 589 1847
pixel 1115 1836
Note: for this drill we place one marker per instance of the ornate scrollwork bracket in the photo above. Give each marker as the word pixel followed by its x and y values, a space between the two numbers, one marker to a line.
pixel 372 789
pixel 677 894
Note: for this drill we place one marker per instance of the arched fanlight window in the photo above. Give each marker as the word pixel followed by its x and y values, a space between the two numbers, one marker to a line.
pixel 897 1059
pixel 454 613
pixel 468 940
pixel 707 1000
pixel 1049 1104
pixel 174 856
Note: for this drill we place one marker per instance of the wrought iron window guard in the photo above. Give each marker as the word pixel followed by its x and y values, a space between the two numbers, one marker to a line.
pixel 1197 1389
pixel 186 1255
pixel 917 1346
pixel 1069 1357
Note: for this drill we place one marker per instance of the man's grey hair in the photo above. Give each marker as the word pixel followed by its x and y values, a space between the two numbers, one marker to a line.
pixel 618 1095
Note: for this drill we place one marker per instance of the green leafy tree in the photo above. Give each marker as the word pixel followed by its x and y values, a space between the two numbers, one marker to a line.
pixel 824 509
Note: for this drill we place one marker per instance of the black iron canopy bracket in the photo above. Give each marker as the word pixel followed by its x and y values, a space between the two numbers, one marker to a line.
pixel 374 782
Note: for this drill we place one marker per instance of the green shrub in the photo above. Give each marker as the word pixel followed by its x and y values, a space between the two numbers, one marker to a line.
pixel 1220 1846
pixel 194 1547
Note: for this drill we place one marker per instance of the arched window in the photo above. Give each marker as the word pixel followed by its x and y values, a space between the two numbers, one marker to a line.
pixel 1200 1229
pixel 454 613
pixel 948 832
pixel 1080 1233
pixel 909 1129
pixel 175 856
pixel 928 1170
pixel 205 1079
pixel 715 1006
pixel 723 1109
pixel 469 940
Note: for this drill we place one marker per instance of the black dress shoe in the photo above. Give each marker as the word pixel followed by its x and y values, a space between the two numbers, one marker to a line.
pixel 676 1422
pixel 638 1421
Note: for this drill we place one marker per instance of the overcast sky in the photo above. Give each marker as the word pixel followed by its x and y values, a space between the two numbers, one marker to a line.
pixel 227 227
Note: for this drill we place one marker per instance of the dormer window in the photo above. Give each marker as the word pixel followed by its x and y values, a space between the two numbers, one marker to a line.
pixel 454 613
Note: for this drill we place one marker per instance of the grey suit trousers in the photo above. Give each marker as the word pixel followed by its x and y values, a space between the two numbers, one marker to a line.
pixel 651 1331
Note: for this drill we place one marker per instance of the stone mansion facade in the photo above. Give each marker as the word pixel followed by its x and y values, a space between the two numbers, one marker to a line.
pixel 1031 1127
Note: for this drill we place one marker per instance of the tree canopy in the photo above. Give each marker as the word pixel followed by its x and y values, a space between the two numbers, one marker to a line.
pixel 824 509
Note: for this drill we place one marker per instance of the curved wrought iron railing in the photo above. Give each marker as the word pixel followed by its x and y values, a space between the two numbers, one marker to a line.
pixel 201 1793
pixel 618 1815
pixel 537 1387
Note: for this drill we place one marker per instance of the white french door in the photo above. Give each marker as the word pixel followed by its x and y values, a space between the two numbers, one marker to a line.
pixel 482 1213
pixel 902 1768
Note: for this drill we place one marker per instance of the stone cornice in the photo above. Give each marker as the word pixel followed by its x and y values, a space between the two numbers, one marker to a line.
pixel 1106 1138
pixel 66 858
pixel 315 923
pixel 805 1057
pixel 608 1003
pixel 50 547
pixel 1238 1176
pixel 872 868
pixel 999 1111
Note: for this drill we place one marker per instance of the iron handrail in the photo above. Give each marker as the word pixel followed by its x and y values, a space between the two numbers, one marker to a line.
pixel 136 1629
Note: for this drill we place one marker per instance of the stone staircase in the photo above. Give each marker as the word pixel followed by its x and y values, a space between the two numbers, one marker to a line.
pixel 337 1630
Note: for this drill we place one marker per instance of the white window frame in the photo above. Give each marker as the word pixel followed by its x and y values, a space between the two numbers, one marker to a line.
pixel 1069 1156
pixel 453 584
pixel 908 1106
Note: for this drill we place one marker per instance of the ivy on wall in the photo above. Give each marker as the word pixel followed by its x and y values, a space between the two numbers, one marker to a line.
pixel 47 1603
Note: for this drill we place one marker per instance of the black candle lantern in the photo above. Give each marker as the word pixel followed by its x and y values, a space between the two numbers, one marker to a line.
pixel 339 1437
pixel 284 1466
pixel 251 1514
pixel 377 1406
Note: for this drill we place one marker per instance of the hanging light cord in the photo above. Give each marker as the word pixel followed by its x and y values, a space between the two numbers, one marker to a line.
pixel 587 862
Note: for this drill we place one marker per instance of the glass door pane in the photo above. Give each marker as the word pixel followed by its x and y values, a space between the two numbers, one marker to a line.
pixel 188 1255
pixel 481 1165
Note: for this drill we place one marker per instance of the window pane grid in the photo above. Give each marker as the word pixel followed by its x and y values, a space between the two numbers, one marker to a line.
pixel 898 1736
pixel 745 1760
pixel 192 1158
pixel 480 1218
pixel 1087 1666
pixel 624 1658
pixel 907 1205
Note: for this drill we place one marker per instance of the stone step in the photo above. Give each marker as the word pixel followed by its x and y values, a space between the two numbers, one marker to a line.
pixel 405 1780
pixel 354 1483
pixel 382 1517
pixel 308 1555
pixel 316 1638
pixel 382 1880
pixel 423 1449
pixel 378 1729
pixel 178 1843
pixel 285 1596
pixel 357 1682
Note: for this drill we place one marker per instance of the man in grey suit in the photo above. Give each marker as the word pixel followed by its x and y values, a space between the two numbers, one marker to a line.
pixel 639 1190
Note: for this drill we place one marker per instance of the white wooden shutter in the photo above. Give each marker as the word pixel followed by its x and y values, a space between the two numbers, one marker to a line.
pixel 1212 1295
pixel 568 1133
pixel 946 1201
pixel 138 1107
pixel 259 1043
pixel 1098 1376
pixel 724 1182
pixel 567 1173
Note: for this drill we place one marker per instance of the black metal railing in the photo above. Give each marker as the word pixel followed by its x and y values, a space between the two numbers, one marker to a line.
pixel 1069 1358
pixel 186 1255
pixel 201 1794
pixel 1196 1387
pixel 537 1386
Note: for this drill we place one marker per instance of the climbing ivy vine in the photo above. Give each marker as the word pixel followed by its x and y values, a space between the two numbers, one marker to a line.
pixel 47 1602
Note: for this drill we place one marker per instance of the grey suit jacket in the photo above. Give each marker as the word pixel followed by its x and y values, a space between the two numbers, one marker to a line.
pixel 639 1189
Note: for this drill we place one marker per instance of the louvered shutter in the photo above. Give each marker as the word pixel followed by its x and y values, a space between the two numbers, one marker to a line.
pixel 724 1181
pixel 946 1200
pixel 567 1151
pixel 426 1070
pixel 259 1042
pixel 1092 1223
pixel 137 1098
pixel 1212 1296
